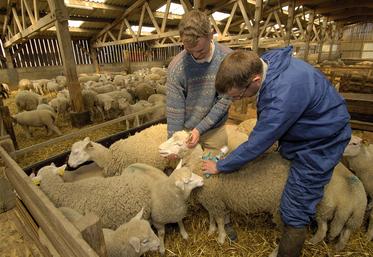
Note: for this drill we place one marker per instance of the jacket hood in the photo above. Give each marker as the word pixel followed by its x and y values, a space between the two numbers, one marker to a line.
pixel 278 60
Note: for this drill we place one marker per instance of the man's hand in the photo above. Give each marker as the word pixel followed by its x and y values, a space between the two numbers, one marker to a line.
pixel 209 167
pixel 193 139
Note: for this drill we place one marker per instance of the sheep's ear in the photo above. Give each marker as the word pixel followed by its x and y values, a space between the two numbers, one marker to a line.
pixel 87 139
pixel 139 215
pixel 135 242
pixel 180 184
pixel 53 165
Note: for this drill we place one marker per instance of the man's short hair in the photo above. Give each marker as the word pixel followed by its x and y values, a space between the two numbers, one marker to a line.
pixel 237 70
pixel 194 25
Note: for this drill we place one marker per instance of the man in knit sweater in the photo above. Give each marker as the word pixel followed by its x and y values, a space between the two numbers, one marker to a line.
pixel 192 102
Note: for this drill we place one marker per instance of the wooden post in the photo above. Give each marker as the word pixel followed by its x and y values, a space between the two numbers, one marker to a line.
pixel 91 229
pixel 334 34
pixel 7 121
pixel 12 72
pixel 257 18
pixel 93 52
pixel 322 39
pixel 79 118
pixel 289 24
pixel 308 35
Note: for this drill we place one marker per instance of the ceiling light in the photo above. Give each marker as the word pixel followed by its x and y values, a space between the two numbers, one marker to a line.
pixel 219 16
pixel 174 9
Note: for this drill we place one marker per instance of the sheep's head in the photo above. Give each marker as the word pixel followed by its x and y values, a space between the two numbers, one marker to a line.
pixel 48 170
pixel 186 180
pixel 80 152
pixel 139 234
pixel 353 147
pixel 175 145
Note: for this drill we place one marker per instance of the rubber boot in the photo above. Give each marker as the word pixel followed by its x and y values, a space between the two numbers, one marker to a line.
pixel 291 242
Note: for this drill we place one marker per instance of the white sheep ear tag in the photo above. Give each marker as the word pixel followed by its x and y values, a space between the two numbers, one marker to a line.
pixel 180 164
pixel 60 170
pixel 135 243
pixel 36 180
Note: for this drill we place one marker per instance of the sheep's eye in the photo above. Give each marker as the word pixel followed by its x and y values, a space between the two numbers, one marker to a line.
pixel 145 241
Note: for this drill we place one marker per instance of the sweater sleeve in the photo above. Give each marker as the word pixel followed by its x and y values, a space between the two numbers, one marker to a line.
pixel 216 114
pixel 175 102
pixel 282 109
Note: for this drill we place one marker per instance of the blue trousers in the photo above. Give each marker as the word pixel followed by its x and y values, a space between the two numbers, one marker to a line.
pixel 312 165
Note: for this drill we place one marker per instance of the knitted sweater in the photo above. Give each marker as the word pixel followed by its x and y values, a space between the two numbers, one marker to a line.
pixel 192 101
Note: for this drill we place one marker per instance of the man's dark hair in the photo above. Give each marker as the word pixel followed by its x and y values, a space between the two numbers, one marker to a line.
pixel 237 70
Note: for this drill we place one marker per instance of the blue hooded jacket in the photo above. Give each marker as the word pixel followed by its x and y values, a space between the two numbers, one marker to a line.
pixel 296 105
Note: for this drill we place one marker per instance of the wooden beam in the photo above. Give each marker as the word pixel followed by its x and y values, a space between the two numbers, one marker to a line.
pixel 78 4
pixel 215 25
pixel 141 20
pixel 29 12
pixel 257 18
pixel 155 24
pixel 308 35
pixel 233 11
pixel 186 5
pixel 245 17
pixel 351 13
pixel 129 28
pixel 322 39
pixel 164 21
pixel 69 65
pixel 43 23
pixel 36 10
pixel 290 21
pixel 132 40
pixel 117 21
pixel 17 21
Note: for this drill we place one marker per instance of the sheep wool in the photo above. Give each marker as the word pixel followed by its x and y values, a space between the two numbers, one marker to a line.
pixel 115 200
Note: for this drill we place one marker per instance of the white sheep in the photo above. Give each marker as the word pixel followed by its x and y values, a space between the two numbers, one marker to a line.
pixel 157 98
pixel 36 118
pixel 61 80
pixel 168 205
pixel 258 186
pixel 143 90
pixel 54 87
pixel 141 147
pixel 359 157
pixel 24 84
pixel 90 102
pixel 131 239
pixel 45 107
pixel 61 105
pixel 116 199
pixel 127 109
pixel 108 104
pixel 86 78
pixel 103 89
pixel 27 101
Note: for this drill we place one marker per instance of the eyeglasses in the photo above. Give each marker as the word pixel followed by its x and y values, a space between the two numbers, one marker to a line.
pixel 239 97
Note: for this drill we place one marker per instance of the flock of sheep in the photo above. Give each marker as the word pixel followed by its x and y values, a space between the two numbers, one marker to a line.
pixel 133 181
pixel 105 96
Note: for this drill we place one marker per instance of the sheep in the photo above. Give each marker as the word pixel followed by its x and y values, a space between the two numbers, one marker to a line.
pixel 263 180
pixel 24 84
pixel 116 199
pixel 161 89
pixel 28 101
pixel 103 89
pixel 169 204
pixel 127 108
pixel 54 87
pixel 64 93
pixel 247 126
pixel 119 81
pixel 144 90
pixel 36 118
pixel 45 107
pixel 359 157
pixel 61 80
pixel 131 239
pixel 158 70
pixel 90 102
pixel 156 98
pixel 86 78
pixel 122 94
pixel 61 105
pixel 343 206
pixel 108 104
pixel 141 147
pixel 37 87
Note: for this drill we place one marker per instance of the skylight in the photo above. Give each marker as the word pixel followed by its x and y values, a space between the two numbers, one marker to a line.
pixel 75 24
pixel 174 9
pixel 285 9
pixel 144 29
pixel 219 16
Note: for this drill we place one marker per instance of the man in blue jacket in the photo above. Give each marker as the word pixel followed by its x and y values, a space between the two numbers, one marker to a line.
pixel 300 108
